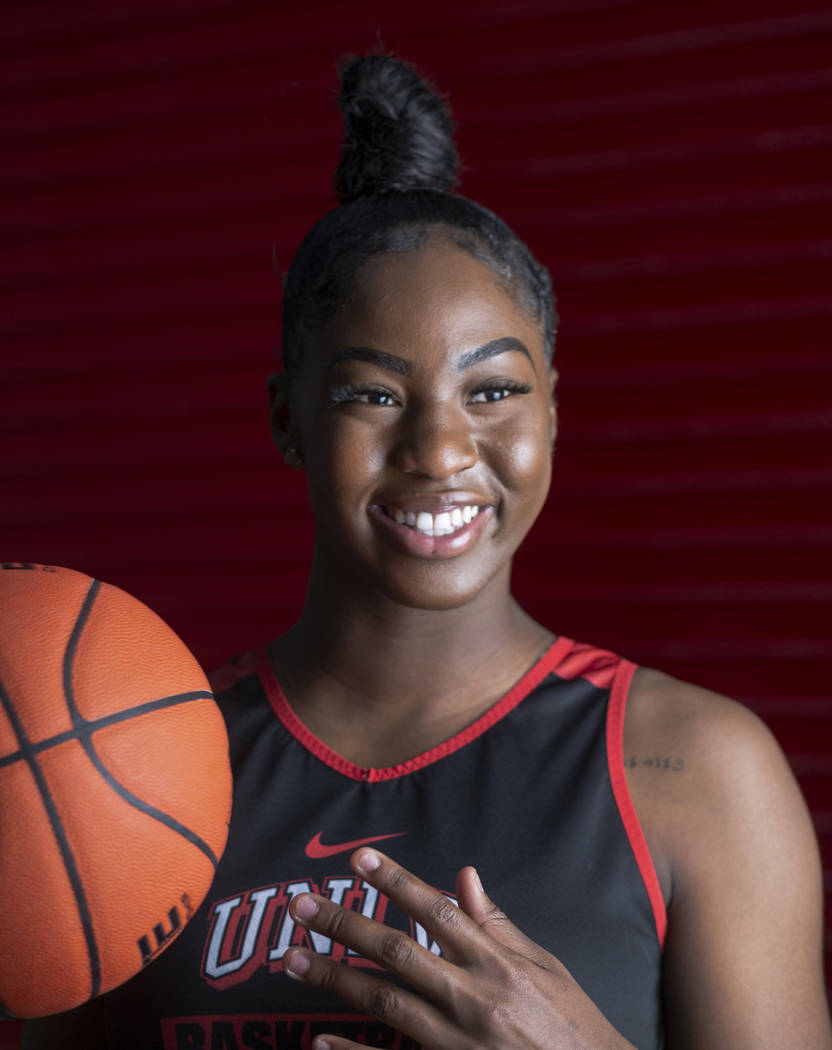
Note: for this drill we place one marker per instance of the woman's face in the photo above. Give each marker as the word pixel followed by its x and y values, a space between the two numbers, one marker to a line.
pixel 425 418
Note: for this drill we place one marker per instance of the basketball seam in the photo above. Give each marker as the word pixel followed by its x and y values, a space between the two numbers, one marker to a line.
pixel 60 837
pixel 80 726
pixel 146 807
pixel 89 930
pixel 94 724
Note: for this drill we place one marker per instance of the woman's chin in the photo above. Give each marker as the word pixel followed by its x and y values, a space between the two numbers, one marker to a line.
pixel 441 586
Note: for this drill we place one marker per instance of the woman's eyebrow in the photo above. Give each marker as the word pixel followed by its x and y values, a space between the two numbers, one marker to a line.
pixel 496 346
pixel 401 366
pixel 374 357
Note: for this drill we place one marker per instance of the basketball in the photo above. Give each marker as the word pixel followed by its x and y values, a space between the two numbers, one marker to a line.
pixel 115 787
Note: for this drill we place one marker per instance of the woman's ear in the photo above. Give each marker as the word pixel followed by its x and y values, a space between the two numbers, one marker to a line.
pixel 284 432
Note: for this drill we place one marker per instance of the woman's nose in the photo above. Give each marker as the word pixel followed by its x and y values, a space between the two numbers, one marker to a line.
pixel 436 442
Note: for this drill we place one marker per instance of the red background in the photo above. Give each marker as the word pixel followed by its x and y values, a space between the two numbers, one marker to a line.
pixel 669 163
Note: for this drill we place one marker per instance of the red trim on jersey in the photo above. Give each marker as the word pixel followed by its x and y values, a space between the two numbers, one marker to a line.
pixel 567 659
pixel 618 777
pixel 550 660
pixel 595 665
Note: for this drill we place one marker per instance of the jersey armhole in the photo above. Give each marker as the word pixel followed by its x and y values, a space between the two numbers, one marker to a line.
pixel 621 790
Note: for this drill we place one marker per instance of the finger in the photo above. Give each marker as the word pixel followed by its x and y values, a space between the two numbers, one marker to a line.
pixel 471 896
pixel 474 901
pixel 455 933
pixel 335 1042
pixel 396 1007
pixel 392 949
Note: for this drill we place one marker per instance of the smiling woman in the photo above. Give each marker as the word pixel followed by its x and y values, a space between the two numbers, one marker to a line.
pixel 646 839
pixel 428 392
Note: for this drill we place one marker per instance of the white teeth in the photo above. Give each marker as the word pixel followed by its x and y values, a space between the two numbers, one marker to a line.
pixel 442 524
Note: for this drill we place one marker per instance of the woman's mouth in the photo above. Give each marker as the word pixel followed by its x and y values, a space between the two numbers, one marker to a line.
pixel 445 523
pixel 424 534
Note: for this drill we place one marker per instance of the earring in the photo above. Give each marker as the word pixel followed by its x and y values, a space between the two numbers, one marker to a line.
pixel 293 458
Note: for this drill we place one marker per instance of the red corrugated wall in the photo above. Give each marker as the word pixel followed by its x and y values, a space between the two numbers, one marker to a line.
pixel 670 163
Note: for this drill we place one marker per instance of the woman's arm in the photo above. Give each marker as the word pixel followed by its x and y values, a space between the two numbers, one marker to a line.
pixel 743 957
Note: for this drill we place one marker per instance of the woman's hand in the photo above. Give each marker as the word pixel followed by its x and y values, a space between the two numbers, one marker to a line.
pixel 491 989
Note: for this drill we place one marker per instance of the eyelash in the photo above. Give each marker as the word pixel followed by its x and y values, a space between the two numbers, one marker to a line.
pixel 500 386
pixel 349 392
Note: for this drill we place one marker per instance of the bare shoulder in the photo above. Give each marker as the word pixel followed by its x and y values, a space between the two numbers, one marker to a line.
pixel 700 767
pixel 665 710
pixel 737 858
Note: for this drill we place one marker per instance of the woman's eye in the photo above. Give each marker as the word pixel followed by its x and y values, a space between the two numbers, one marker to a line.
pixel 376 397
pixel 368 395
pixel 494 394
pixel 498 392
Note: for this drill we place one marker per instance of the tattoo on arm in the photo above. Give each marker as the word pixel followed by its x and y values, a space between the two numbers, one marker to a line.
pixel 674 765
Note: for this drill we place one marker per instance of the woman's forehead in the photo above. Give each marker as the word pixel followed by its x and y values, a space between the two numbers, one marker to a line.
pixel 437 290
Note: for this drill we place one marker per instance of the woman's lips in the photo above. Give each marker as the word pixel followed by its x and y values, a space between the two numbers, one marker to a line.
pixel 444 533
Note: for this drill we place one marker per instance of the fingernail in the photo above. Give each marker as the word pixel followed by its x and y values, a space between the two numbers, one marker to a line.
pixel 369 860
pixel 305 907
pixel 322 1044
pixel 298 965
pixel 479 881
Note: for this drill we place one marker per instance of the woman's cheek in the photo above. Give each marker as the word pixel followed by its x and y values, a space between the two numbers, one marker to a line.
pixel 527 458
pixel 342 469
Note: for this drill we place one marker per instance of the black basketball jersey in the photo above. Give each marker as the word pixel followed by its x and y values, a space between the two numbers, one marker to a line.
pixel 533 794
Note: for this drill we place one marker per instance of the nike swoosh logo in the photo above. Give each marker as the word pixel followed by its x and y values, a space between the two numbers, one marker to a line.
pixel 317 850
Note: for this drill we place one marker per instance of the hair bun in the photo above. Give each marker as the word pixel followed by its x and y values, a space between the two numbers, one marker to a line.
pixel 398 132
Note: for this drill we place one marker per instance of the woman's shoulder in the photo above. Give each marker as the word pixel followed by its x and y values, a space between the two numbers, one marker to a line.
pixel 707 775
pixel 734 848
pixel 699 761
pixel 713 730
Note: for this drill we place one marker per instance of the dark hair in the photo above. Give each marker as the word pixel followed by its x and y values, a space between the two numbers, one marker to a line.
pixel 398 167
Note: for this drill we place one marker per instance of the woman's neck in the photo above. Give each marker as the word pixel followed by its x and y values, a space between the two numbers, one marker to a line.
pixel 379 683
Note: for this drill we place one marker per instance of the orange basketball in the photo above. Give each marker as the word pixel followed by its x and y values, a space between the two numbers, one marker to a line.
pixel 115 787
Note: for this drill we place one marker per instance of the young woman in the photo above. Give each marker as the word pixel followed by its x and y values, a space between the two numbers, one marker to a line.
pixel 670 900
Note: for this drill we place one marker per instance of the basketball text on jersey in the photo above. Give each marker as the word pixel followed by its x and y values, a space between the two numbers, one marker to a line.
pixel 254 929
pixel 276 1032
